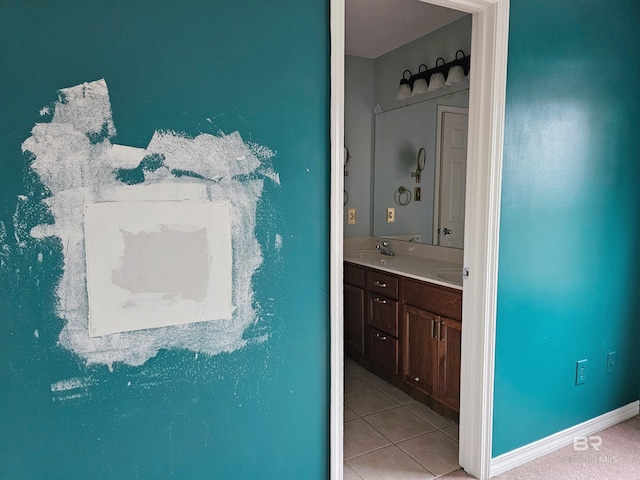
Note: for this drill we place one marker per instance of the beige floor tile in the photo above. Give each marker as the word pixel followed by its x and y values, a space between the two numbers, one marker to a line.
pixel 367 376
pixel 452 431
pixel 349 474
pixel 399 424
pixel 349 414
pixel 368 400
pixel 353 382
pixel 350 364
pixel 395 393
pixel 429 415
pixel 435 451
pixel 360 437
pixel 389 463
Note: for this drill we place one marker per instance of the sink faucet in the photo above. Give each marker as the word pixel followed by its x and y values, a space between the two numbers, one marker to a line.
pixel 384 248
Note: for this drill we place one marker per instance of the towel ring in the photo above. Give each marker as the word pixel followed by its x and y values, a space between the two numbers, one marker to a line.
pixel 401 192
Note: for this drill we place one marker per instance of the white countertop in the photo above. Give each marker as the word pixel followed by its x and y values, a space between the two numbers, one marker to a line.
pixel 426 269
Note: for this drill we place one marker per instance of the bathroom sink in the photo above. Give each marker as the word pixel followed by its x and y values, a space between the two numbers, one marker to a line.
pixel 372 256
pixel 453 275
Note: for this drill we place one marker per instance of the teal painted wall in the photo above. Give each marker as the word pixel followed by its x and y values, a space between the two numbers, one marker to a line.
pixel 570 219
pixel 260 412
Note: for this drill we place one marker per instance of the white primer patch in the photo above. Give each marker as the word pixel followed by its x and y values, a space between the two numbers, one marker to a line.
pixel 78 164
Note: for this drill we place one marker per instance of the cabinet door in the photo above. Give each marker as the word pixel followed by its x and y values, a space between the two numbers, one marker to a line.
pixel 449 371
pixel 421 349
pixel 354 319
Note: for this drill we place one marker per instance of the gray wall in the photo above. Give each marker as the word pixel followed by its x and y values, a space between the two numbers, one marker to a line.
pixel 358 137
pixel 369 82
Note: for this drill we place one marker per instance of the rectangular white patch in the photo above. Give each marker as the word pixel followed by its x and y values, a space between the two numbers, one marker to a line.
pixel 157 263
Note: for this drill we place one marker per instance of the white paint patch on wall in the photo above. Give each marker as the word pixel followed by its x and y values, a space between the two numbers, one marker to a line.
pixel 155 264
pixel 78 164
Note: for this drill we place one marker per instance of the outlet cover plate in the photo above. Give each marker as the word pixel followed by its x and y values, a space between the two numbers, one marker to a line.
pixel 611 361
pixel 351 216
pixel 391 215
pixel 581 372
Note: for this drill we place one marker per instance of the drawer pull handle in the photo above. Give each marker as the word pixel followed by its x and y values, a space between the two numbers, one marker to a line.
pixel 378 283
pixel 379 300
pixel 417 379
pixel 381 337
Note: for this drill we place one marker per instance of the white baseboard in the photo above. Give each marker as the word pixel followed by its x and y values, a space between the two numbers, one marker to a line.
pixel 522 455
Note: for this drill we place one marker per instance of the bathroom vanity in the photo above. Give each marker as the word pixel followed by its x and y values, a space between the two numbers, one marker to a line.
pixel 403 322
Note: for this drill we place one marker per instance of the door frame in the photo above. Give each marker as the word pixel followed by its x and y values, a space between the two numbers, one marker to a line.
pixel 442 109
pixel 487 92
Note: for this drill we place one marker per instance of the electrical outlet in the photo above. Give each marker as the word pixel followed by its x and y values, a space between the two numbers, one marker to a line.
pixel 611 362
pixel 417 194
pixel 351 216
pixel 391 215
pixel 581 371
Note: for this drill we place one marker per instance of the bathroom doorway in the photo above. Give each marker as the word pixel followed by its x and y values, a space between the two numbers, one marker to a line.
pixel 486 115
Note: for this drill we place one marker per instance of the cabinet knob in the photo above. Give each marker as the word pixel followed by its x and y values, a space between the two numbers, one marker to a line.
pixel 417 379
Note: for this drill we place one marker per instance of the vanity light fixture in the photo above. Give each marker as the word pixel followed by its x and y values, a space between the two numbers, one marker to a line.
pixel 436 81
pixel 404 91
pixel 443 74
pixel 456 73
pixel 420 85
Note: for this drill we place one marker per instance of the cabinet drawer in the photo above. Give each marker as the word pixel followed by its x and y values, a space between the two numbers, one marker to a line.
pixel 383 313
pixel 381 283
pixel 383 349
pixel 353 275
pixel 434 298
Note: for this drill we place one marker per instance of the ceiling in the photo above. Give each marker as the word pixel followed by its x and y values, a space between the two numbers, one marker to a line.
pixel 375 27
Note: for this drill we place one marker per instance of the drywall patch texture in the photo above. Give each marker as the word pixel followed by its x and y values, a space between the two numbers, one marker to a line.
pixel 78 165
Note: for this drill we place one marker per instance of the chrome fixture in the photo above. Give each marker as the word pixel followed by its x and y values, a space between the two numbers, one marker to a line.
pixel 429 80
pixel 347 157
pixel 404 196
pixel 420 163
pixel 384 248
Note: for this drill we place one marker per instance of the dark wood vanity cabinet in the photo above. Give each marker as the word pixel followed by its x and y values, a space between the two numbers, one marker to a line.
pixel 432 321
pixel 407 331
pixel 381 290
pixel 354 333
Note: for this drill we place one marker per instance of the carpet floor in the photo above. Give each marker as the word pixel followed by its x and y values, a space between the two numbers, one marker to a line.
pixel 618 458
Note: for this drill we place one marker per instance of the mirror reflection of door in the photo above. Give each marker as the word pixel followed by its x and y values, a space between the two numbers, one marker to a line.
pixel 453 171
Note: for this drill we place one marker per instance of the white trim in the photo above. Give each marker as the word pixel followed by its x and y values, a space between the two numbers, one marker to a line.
pixel 337 23
pixel 554 442
pixel 484 175
pixel 442 109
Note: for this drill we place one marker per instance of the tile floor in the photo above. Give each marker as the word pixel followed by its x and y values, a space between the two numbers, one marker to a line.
pixel 388 435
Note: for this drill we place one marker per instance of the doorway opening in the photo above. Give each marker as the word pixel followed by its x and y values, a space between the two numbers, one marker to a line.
pixel 486 116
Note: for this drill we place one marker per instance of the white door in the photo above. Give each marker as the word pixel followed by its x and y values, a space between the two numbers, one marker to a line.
pixel 453 174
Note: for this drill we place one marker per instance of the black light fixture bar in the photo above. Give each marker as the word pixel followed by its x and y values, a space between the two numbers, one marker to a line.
pixel 464 62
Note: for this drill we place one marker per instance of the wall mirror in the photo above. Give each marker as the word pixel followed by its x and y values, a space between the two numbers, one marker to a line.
pixel 419 171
